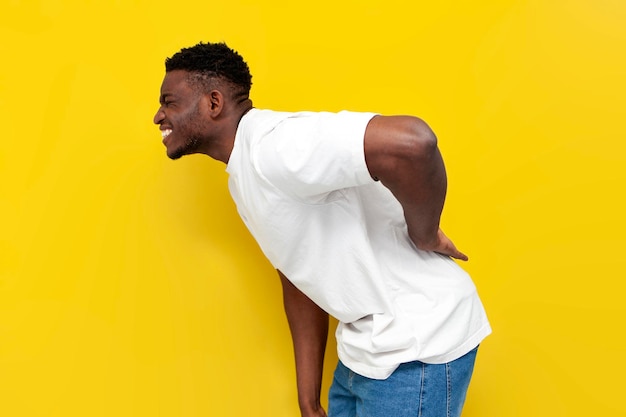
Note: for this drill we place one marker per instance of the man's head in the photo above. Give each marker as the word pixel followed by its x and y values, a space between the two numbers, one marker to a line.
pixel 211 63
pixel 204 93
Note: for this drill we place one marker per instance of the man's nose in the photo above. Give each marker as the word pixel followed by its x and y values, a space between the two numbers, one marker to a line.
pixel 159 116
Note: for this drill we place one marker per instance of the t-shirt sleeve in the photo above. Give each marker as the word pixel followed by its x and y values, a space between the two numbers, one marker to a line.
pixel 310 154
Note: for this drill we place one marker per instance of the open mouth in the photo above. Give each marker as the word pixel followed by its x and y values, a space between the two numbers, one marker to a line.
pixel 165 133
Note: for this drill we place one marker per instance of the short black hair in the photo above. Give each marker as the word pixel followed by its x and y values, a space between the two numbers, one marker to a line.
pixel 208 61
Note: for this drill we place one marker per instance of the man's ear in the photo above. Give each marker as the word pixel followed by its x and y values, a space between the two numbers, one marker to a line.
pixel 216 102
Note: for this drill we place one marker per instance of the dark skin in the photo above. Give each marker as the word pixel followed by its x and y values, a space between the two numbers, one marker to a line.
pixel 201 122
pixel 309 332
pixel 400 151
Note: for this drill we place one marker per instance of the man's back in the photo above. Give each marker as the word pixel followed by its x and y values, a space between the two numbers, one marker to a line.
pixel 302 187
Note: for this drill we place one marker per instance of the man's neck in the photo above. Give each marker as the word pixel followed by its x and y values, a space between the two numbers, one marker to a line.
pixel 222 150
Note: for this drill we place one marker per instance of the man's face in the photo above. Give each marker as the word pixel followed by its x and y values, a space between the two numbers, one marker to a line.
pixel 183 124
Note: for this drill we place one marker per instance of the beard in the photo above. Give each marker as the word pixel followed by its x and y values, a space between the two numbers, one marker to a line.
pixel 189 147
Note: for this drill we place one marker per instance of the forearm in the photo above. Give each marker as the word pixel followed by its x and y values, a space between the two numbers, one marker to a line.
pixel 421 192
pixel 309 331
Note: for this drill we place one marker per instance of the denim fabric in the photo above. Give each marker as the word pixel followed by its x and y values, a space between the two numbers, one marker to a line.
pixel 415 389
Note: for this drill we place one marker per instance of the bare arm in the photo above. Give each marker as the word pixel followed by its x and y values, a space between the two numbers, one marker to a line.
pixel 309 331
pixel 402 152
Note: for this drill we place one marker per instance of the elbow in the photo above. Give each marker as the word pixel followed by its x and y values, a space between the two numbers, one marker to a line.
pixel 397 147
pixel 419 141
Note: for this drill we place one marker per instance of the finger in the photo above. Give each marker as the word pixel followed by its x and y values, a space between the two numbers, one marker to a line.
pixel 457 254
pixel 460 256
pixel 453 252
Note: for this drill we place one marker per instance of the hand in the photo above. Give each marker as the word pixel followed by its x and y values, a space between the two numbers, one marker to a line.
pixel 445 247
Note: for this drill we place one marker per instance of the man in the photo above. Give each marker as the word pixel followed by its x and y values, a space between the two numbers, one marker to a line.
pixel 346 206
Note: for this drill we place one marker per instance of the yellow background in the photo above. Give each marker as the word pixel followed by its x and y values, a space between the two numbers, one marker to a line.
pixel 128 285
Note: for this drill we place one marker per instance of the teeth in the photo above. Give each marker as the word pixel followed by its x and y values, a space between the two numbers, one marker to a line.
pixel 165 133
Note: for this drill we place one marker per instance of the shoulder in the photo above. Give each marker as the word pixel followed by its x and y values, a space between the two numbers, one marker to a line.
pixel 313 153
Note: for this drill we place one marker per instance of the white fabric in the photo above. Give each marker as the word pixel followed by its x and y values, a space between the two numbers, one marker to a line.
pixel 302 188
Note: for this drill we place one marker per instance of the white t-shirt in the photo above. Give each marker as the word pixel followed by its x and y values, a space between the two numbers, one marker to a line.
pixel 302 188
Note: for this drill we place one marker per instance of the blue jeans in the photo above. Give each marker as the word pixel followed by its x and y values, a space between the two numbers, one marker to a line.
pixel 415 389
